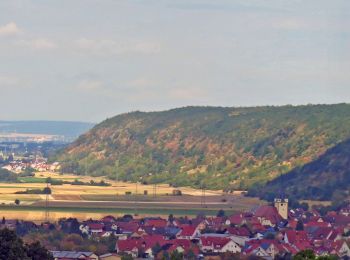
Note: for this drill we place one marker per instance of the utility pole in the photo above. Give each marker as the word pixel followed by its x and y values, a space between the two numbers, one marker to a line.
pixel 136 198
pixel 47 204
pixel 154 190
pixel 203 203
pixel 116 176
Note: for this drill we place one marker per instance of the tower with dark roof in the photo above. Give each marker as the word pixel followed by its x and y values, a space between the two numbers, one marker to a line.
pixel 282 207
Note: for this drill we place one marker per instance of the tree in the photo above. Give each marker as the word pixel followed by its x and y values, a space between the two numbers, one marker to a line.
pixel 37 252
pixel 127 257
pixel 171 218
pixel 191 255
pixel 156 249
pixel 11 246
pixel 221 213
pixel 17 201
pixel 300 225
pixel 175 255
pixel 47 190
pixel 305 255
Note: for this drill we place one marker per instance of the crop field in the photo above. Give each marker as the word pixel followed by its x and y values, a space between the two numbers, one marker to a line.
pixel 84 201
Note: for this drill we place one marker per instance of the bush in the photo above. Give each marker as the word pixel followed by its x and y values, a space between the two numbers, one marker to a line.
pixel 177 192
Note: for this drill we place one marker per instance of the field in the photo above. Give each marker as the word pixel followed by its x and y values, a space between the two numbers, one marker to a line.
pixel 84 201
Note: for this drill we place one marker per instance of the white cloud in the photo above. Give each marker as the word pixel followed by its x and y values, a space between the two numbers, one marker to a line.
pixel 291 24
pixel 9 29
pixel 141 83
pixel 38 44
pixel 8 81
pixel 90 85
pixel 107 46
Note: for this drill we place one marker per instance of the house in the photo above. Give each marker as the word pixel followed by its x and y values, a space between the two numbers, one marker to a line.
pixel 110 256
pixel 340 248
pixel 129 246
pixel 188 232
pixel 257 250
pixel 108 219
pixel 157 223
pixel 95 228
pixel 268 215
pixel 293 236
pixel 237 220
pixel 142 245
pixel 182 246
pixel 73 255
pixel 218 244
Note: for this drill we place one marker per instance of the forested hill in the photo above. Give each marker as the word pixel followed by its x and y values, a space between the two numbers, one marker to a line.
pixel 326 178
pixel 211 146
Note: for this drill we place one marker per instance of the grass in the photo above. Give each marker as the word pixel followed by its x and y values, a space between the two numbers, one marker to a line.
pixel 16 187
pixel 164 211
pixel 32 180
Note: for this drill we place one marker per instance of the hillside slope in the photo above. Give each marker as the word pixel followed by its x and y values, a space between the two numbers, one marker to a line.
pixel 318 180
pixel 212 146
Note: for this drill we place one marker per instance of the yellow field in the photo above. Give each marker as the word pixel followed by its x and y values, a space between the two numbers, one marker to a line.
pixel 39 216
pixel 74 192
pixel 117 188
pixel 68 200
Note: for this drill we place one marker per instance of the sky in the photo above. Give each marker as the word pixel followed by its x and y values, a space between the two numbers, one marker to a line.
pixel 87 60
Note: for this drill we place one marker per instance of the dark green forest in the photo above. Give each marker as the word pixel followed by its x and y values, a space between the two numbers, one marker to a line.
pixel 326 178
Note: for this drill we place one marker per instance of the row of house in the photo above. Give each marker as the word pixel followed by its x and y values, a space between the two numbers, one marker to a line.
pixel 39 165
pixel 265 231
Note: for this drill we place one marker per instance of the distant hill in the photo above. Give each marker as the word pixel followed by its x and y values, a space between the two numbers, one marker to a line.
pixel 231 148
pixel 70 130
pixel 318 180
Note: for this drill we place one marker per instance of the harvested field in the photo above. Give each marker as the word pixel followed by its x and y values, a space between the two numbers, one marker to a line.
pixel 87 200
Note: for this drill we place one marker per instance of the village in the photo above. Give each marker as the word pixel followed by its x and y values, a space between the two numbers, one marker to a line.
pixel 265 232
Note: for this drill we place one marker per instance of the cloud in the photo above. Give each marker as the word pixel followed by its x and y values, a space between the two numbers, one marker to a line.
pixel 8 81
pixel 90 85
pixel 107 46
pixel 38 44
pixel 141 83
pixel 9 29
pixel 291 24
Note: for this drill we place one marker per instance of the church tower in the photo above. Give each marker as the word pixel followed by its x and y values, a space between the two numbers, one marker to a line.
pixel 282 207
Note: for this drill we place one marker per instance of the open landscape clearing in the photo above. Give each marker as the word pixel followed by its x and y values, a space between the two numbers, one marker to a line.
pixel 92 201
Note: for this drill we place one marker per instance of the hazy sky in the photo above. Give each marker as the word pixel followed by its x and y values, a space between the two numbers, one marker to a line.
pixel 92 59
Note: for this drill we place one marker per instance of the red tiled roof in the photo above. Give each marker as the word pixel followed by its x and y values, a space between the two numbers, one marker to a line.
pixel 296 236
pixel 156 223
pixel 128 245
pixel 216 242
pixel 269 213
pixel 241 231
pixel 236 219
pixel 187 230
pixel 95 226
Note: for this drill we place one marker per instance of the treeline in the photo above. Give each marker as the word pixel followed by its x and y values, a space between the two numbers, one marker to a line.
pixel 7 176
pixel 45 190
pixel 326 178
pixel 77 182
pixel 13 248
